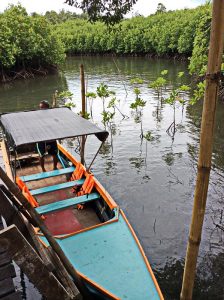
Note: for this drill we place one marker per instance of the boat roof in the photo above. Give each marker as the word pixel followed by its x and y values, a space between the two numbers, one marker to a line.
pixel 28 127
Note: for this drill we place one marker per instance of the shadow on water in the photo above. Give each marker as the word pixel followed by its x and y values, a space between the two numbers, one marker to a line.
pixel 151 176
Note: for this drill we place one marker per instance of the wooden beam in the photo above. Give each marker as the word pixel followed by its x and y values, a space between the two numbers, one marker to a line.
pixel 31 264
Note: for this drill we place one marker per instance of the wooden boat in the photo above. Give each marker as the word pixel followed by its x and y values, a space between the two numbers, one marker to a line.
pixel 98 240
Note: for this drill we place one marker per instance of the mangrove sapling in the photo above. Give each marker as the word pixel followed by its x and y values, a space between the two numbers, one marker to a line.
pixel 171 130
pixel 65 99
pixel 103 92
pixel 113 104
pixel 138 106
pixel 159 84
pixel 90 96
pixel 136 80
pixel 107 121
pixel 183 89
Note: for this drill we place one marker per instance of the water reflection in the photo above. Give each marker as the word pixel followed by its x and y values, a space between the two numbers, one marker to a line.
pixel 151 176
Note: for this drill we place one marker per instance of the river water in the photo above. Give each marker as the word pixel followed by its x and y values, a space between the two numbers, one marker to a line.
pixel 152 181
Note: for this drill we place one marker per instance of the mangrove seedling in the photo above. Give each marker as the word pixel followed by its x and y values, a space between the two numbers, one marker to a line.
pixel 90 96
pixel 158 85
pixel 65 99
pixel 164 72
pixel 171 130
pixel 103 92
pixel 137 80
pixel 138 105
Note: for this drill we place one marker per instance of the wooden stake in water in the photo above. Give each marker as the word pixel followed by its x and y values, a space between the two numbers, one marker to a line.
pixel 83 95
pixel 206 145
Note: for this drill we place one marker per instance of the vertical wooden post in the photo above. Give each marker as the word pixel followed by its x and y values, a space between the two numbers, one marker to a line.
pixel 54 99
pixel 206 145
pixel 83 95
pixel 31 264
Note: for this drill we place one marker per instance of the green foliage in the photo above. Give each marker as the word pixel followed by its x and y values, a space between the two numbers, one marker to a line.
pixel 184 88
pixel 136 80
pixel 174 96
pixel 198 92
pixel 91 95
pixel 65 98
pixel 164 72
pixel 65 95
pixel 109 11
pixel 169 33
pixel 198 61
pixel 27 41
pixel 148 136
pixel 86 115
pixel 180 74
pixel 138 103
pixel 107 116
pixel 103 91
pixel 112 103
pixel 137 91
pixel 158 84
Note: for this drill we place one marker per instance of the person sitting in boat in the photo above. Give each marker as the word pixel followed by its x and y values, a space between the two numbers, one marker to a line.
pixel 44 148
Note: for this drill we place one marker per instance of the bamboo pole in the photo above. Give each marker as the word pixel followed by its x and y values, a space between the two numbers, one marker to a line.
pixel 37 219
pixel 206 145
pixel 83 95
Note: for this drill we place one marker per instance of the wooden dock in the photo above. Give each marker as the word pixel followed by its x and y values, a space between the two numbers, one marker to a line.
pixel 7 269
pixel 7 273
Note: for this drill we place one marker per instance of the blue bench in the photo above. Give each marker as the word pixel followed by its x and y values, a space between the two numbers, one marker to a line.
pixel 44 175
pixel 44 209
pixel 56 187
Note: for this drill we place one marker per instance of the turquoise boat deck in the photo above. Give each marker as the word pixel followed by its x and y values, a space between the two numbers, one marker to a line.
pixel 110 256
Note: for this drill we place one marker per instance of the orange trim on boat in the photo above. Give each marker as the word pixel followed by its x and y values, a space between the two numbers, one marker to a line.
pixel 144 256
pixel 99 287
pixel 109 200
pixel 26 192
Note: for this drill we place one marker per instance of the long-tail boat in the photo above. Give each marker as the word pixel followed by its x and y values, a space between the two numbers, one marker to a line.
pixel 98 239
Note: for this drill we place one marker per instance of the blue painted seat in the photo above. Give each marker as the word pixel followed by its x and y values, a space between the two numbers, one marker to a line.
pixel 56 187
pixel 66 203
pixel 44 175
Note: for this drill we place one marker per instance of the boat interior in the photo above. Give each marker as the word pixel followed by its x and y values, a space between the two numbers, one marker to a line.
pixel 69 198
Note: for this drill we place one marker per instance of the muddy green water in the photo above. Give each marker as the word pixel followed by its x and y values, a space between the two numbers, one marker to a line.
pixel 153 181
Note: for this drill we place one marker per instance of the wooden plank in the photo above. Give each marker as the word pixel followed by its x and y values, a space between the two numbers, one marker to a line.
pixel 6 287
pixel 56 187
pixel 66 203
pixel 44 175
pixel 4 259
pixel 7 271
pixel 13 296
pixel 31 264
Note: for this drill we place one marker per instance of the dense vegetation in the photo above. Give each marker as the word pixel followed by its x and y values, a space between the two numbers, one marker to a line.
pixel 30 44
pixel 26 44
pixel 167 33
